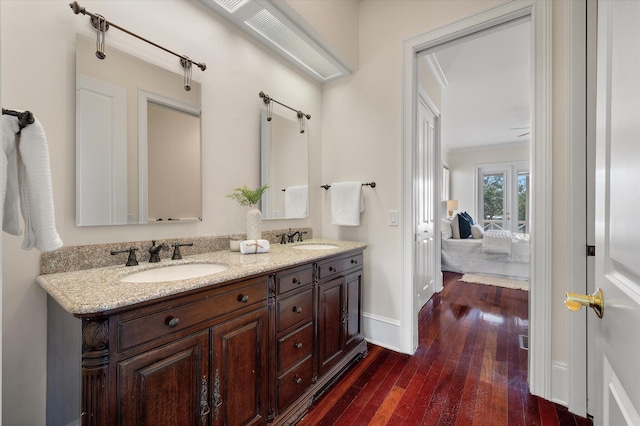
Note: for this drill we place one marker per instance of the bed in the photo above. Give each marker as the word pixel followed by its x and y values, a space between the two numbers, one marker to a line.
pixel 499 253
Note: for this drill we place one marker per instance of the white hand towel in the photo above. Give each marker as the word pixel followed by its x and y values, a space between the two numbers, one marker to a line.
pixel 36 190
pixel 254 246
pixel 347 202
pixel 11 208
pixel 296 201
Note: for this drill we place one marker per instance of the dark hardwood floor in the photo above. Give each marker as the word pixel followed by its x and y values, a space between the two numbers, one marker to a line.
pixel 469 369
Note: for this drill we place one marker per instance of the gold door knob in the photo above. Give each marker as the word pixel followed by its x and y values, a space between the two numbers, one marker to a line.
pixel 575 301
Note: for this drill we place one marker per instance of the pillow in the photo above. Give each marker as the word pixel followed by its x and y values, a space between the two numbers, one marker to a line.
pixel 445 229
pixel 476 231
pixel 468 216
pixel 455 228
pixel 464 226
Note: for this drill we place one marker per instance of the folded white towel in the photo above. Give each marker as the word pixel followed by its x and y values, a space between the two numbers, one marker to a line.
pixel 11 209
pixel 34 188
pixel 254 246
pixel 347 202
pixel 296 200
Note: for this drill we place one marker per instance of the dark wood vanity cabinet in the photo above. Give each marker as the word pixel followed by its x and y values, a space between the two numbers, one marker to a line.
pixel 252 351
pixel 239 371
pixel 339 298
pixel 165 385
pixel 294 334
pixel 195 359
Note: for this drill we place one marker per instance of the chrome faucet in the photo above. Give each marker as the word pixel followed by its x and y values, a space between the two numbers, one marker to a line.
pixel 155 250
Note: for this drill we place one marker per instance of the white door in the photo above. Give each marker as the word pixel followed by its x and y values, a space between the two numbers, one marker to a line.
pixel 615 397
pixel 424 185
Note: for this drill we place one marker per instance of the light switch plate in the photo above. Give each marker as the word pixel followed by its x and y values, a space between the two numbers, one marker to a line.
pixel 393 217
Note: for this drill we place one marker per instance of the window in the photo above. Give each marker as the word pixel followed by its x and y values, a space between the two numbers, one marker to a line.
pixel 503 196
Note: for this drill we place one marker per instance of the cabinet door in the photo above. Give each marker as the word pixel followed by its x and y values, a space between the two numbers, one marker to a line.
pixel 239 386
pixel 354 308
pixel 167 385
pixel 331 323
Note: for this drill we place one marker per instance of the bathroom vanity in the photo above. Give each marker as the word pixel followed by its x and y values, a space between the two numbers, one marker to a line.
pixel 252 344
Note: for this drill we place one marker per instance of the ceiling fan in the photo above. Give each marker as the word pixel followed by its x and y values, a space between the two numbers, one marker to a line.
pixel 521 128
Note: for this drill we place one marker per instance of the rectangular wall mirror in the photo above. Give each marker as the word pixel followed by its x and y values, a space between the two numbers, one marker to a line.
pixel 138 141
pixel 284 166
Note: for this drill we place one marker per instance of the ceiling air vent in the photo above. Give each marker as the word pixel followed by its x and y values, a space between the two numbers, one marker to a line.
pixel 269 27
pixel 279 27
pixel 231 5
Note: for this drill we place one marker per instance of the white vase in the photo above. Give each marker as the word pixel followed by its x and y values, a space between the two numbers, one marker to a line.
pixel 254 224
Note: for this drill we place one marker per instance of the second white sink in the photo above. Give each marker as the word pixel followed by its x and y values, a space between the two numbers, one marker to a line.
pixel 174 273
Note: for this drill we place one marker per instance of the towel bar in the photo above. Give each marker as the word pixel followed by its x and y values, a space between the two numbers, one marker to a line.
pixel 371 184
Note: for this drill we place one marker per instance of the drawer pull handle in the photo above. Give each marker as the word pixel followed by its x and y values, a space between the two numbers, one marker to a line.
pixel 243 299
pixel 298 380
pixel 298 345
pixel 354 261
pixel 172 321
pixel 296 280
pixel 297 309
pixel 332 269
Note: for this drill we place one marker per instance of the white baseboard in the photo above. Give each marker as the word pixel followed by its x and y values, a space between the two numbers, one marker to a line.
pixel 382 331
pixel 560 383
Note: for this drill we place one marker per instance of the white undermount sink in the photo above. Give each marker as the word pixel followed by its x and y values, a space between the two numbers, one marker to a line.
pixel 174 273
pixel 318 246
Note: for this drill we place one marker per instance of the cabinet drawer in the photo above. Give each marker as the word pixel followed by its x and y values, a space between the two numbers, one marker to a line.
pixel 133 332
pixel 293 384
pixel 338 266
pixel 296 278
pixel 296 309
pixel 294 347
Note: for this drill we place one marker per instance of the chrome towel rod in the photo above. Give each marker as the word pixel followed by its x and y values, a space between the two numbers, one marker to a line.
pixel 371 184
pixel 100 21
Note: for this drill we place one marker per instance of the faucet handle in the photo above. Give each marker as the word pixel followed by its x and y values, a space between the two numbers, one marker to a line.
pixel 176 250
pixel 300 235
pixel 131 261
pixel 282 238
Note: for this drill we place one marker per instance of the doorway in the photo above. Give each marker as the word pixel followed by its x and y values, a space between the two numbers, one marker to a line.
pixel 539 336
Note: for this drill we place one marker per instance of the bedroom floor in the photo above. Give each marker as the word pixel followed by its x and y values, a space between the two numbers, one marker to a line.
pixel 469 369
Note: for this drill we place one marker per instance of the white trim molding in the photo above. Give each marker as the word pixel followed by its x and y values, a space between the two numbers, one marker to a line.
pixel 560 383
pixel 576 214
pixel 382 331
pixel 540 294
pixel 436 69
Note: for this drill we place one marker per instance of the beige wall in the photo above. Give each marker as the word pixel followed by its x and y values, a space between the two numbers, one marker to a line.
pixel 355 132
pixel 362 136
pixel 336 21
pixel 38 74
pixel 362 141
pixel 462 168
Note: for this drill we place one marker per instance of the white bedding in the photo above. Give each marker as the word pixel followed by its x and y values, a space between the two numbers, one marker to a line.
pixel 467 256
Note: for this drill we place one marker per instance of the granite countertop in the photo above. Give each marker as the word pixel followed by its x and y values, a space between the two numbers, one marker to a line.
pixel 100 289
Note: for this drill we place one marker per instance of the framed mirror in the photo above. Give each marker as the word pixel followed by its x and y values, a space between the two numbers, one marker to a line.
pixel 138 141
pixel 284 166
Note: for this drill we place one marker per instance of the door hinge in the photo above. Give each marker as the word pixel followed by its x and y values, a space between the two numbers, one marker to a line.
pixel 591 250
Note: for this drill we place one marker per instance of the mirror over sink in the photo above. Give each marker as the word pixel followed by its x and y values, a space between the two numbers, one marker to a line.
pixel 284 167
pixel 138 141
